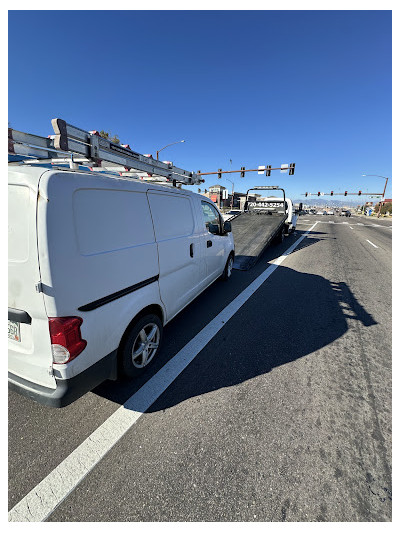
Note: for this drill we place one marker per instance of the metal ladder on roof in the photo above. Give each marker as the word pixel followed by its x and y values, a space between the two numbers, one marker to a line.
pixel 77 147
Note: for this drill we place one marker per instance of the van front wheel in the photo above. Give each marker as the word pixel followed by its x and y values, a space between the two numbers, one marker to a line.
pixel 227 273
pixel 141 345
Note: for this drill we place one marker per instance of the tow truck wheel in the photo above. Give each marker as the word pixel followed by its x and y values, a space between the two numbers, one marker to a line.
pixel 280 237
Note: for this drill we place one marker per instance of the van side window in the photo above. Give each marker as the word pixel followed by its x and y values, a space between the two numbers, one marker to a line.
pixel 210 214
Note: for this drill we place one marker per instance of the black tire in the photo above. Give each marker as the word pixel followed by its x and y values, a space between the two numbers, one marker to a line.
pixel 280 237
pixel 136 339
pixel 227 273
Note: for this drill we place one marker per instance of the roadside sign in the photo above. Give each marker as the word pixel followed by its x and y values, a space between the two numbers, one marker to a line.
pixel 261 169
pixel 284 168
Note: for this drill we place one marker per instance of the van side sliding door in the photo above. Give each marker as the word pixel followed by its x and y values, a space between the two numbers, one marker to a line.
pixel 179 252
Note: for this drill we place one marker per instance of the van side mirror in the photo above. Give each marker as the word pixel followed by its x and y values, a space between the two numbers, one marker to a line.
pixel 227 226
pixel 213 228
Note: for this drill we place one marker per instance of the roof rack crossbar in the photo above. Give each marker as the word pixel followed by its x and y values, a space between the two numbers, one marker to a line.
pixel 89 148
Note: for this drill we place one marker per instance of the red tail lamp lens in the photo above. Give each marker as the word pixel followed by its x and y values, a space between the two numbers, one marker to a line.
pixel 66 332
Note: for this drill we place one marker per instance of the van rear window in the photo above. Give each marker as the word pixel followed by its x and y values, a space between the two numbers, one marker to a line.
pixel 109 220
pixel 18 223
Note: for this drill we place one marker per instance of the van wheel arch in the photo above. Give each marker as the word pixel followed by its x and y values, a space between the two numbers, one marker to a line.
pixel 226 274
pixel 149 310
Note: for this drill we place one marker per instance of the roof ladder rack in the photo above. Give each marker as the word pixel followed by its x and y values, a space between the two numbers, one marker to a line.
pixel 75 146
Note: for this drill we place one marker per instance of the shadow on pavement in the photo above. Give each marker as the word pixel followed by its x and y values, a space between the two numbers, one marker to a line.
pixel 291 315
pixel 247 262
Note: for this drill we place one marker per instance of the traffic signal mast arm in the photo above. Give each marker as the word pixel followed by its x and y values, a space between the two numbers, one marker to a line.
pixel 342 194
pixel 243 170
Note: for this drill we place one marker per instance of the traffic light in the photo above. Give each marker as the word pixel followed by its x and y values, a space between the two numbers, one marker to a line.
pixel 268 170
pixel 306 194
pixel 345 193
pixel 359 193
pixel 319 194
pixel 219 173
pixel 291 169
pixel 242 173
pixel 331 193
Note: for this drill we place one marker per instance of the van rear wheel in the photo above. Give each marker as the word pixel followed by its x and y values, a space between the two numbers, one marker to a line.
pixel 141 345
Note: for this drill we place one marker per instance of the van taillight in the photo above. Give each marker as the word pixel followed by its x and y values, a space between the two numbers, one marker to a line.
pixel 66 339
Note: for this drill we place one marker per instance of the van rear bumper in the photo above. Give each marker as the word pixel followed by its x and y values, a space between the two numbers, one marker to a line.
pixel 67 390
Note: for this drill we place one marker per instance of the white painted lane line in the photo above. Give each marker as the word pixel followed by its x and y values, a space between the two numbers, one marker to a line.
pixel 351 227
pixel 375 246
pixel 360 224
pixel 41 501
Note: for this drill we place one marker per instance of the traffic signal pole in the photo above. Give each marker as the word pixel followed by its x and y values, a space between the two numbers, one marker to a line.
pixel 383 196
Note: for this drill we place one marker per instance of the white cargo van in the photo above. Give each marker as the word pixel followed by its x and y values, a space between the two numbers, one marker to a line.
pixel 98 264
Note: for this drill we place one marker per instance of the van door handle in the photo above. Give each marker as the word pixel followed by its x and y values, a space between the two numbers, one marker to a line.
pixel 191 250
pixel 209 244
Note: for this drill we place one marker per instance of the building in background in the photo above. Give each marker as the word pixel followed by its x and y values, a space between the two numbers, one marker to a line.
pixel 220 196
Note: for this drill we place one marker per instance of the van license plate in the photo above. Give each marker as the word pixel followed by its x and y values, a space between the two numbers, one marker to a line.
pixel 13 331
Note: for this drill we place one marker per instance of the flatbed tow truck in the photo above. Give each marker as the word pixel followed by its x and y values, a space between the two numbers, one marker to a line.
pixel 262 222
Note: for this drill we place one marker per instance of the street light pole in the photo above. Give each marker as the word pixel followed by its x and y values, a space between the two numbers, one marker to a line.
pixel 170 144
pixel 384 189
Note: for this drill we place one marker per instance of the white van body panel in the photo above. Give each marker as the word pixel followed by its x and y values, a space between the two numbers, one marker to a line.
pixel 97 238
pixel 29 358
pixel 104 327
pixel 102 248
pixel 217 253
pixel 177 237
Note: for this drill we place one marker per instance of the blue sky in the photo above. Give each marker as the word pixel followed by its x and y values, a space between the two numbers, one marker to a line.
pixel 257 87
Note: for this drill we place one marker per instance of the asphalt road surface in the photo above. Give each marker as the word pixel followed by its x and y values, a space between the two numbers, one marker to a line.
pixel 283 415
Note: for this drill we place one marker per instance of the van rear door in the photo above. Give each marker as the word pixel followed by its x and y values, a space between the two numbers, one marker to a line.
pixel 29 347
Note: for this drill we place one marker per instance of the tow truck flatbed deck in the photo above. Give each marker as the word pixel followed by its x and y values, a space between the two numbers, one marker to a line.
pixel 252 233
